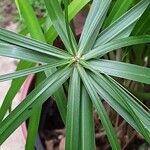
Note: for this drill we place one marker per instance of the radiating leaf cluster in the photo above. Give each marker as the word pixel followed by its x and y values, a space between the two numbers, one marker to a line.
pixel 89 75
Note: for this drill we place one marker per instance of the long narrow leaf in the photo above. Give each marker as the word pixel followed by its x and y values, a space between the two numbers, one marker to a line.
pixel 118 95
pixel 92 25
pixel 142 123
pixel 32 70
pixel 32 22
pixel 120 7
pixel 142 26
pixel 12 51
pixel 73 113
pixel 30 44
pixel 100 109
pixel 74 7
pixel 117 101
pixel 57 17
pixel 36 97
pixel 127 20
pixel 116 44
pixel 34 120
pixel 69 32
pixel 122 70
pixel 104 94
pixel 138 107
pixel 87 122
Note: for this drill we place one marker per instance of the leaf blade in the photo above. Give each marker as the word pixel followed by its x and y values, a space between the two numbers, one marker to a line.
pixel 32 70
pixel 117 97
pixel 126 21
pixel 30 44
pixel 57 17
pixel 122 70
pixel 116 44
pixel 101 110
pixel 73 112
pixel 87 122
pixel 36 97
pixel 92 25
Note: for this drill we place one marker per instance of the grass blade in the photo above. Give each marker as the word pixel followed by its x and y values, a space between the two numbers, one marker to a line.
pixel 137 105
pixel 126 100
pixel 26 10
pixel 142 26
pixel 113 94
pixel 140 122
pixel 69 31
pixel 103 93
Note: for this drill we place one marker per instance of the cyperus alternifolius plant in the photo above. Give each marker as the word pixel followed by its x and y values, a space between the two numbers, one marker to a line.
pixel 90 75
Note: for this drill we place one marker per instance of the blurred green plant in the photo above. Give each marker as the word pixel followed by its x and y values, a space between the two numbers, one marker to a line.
pixel 83 63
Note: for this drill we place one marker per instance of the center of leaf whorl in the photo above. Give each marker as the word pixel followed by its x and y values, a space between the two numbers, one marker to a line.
pixel 76 59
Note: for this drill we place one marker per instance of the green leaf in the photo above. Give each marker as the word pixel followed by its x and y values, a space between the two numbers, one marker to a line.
pixel 128 96
pixel 100 109
pixel 116 44
pixel 124 99
pixel 104 94
pixel 137 105
pixel 92 25
pixel 32 70
pixel 31 24
pixel 25 10
pixel 142 123
pixel 87 122
pixel 119 102
pixel 58 19
pixel 119 8
pixel 142 26
pixel 122 70
pixel 33 128
pixel 40 94
pixel 73 113
pixel 126 21
pixel 12 51
pixel 69 32
pixel 31 44
pixel 34 119
pixel 74 7
pixel 14 88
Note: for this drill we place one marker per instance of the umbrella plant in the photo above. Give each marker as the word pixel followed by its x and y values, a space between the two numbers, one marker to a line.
pixel 91 77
